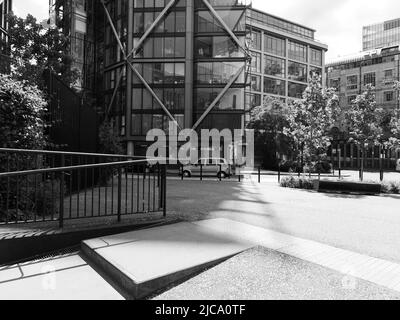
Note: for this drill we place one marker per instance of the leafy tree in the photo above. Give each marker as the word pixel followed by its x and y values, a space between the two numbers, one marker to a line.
pixel 364 119
pixel 394 126
pixel 35 49
pixel 22 109
pixel 268 122
pixel 310 121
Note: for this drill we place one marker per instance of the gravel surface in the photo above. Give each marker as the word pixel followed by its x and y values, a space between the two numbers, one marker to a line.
pixel 261 274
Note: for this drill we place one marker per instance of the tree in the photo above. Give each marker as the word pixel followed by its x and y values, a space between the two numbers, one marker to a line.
pixel 364 120
pixel 310 121
pixel 268 122
pixel 22 109
pixel 35 49
pixel 394 125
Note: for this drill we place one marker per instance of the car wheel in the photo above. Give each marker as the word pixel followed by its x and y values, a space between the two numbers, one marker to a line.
pixel 187 174
pixel 222 175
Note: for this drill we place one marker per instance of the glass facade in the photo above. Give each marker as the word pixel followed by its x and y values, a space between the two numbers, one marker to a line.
pixel 5 8
pixel 283 66
pixel 186 62
pixel 279 24
pixel 218 58
pixel 381 35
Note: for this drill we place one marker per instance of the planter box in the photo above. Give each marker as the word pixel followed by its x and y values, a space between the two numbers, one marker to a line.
pixel 347 187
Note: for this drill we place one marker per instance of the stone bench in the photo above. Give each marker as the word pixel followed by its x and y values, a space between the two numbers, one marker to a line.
pixel 347 187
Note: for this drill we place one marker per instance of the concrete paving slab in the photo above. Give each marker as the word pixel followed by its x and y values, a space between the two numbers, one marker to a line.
pixel 262 274
pixel 145 261
pixel 353 264
pixel 62 278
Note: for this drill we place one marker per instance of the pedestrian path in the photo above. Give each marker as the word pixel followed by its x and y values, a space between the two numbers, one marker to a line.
pixel 66 277
pixel 378 271
pixel 141 263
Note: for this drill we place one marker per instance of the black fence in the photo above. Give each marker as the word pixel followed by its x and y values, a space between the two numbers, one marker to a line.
pixel 54 188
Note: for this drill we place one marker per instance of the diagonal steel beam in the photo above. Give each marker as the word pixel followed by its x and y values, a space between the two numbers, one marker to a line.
pixel 223 92
pixel 153 93
pixel 119 78
pixel 151 28
pixel 222 22
pixel 114 29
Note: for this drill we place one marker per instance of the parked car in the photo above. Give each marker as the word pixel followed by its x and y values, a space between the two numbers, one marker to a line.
pixel 218 167
pixel 398 165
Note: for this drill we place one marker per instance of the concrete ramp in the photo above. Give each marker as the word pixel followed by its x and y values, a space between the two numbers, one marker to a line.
pixel 146 261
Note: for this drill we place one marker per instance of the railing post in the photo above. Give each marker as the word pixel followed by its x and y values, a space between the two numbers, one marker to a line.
pixel 119 208
pixel 165 191
pixel 62 182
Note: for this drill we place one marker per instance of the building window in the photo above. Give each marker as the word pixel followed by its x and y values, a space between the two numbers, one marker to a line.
pixel 255 42
pixel 218 72
pixel 256 62
pixel 217 47
pixel 274 45
pixel 352 82
pixel 297 51
pixel 389 74
pixel 297 71
pixel 274 86
pixel 370 79
pixel 296 90
pixel 316 57
pixel 232 100
pixel 388 96
pixel 314 71
pixel 275 67
pixel 256 83
pixel 252 101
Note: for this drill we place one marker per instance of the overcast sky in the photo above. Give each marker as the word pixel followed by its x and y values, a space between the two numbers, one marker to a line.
pixel 338 22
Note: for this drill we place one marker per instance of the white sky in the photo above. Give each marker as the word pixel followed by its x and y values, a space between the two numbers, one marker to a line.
pixel 338 22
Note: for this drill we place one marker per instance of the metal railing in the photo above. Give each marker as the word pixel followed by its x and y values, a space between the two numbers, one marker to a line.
pixel 91 190
pixel 19 159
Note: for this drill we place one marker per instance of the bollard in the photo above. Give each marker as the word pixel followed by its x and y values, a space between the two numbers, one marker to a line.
pixel 279 174
pixel 220 173
pixel 259 174
pixel 201 172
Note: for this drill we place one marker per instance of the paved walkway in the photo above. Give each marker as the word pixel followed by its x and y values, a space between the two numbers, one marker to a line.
pixel 378 271
pixel 263 274
pixel 71 278
pixel 66 277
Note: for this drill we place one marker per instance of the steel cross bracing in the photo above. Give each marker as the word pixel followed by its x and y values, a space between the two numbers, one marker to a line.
pixel 132 55
pixel 235 77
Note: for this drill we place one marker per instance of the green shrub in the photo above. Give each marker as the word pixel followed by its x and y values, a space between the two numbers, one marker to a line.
pixel 297 183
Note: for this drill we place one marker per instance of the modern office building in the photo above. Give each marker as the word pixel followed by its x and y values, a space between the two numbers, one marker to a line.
pixel 199 63
pixel 5 8
pixel 381 35
pixel 284 56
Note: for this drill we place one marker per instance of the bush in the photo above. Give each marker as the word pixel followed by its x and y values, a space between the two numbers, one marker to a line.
pixel 391 187
pixel 42 200
pixel 297 183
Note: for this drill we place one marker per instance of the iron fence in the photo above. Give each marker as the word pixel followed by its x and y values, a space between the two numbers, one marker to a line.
pixel 63 193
